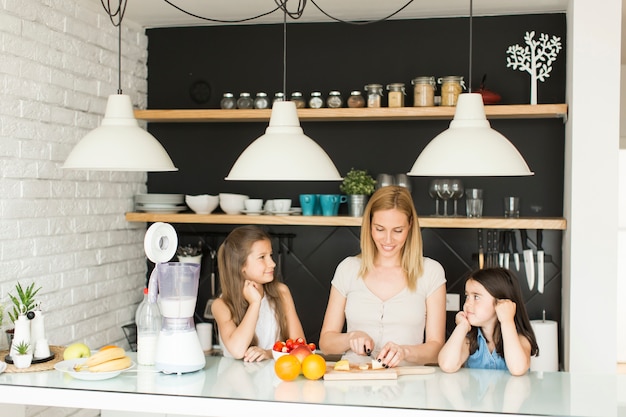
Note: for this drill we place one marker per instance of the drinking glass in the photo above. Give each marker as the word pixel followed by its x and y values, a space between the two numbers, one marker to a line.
pixel 457 189
pixel 445 193
pixel 433 192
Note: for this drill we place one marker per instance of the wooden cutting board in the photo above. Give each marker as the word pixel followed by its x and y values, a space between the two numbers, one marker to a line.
pixel 391 373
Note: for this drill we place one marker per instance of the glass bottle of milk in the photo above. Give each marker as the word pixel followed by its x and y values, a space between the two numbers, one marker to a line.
pixel 148 320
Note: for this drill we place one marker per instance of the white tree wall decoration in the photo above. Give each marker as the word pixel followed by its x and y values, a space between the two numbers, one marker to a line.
pixel 536 58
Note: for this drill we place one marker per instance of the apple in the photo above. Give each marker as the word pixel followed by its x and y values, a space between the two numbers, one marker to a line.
pixel 301 352
pixel 76 350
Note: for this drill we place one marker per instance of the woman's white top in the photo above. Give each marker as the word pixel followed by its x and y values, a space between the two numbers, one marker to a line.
pixel 400 319
pixel 267 329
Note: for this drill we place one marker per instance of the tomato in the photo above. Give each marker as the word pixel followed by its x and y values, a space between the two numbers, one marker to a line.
pixel 300 341
pixel 312 347
pixel 278 346
pixel 289 344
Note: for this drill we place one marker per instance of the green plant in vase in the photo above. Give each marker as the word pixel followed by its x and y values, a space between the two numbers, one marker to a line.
pixel 22 356
pixel 22 348
pixel 24 301
pixel 358 185
pixel 358 182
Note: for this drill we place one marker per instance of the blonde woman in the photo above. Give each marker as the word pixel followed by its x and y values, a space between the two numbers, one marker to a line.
pixel 254 309
pixel 391 297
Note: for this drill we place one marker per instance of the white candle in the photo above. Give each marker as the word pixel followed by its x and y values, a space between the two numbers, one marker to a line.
pixel 36 327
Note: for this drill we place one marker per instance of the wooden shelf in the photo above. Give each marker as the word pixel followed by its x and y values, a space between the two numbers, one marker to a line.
pixel 508 111
pixel 546 223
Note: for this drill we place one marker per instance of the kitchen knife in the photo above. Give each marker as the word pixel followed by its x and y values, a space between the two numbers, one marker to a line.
pixel 529 264
pixel 540 264
pixel 501 249
pixel 481 253
pixel 506 238
pixel 514 248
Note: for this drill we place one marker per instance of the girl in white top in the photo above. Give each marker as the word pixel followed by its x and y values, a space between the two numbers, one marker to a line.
pixel 392 298
pixel 254 310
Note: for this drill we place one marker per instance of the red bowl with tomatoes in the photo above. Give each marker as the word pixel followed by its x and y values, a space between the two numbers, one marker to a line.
pixel 281 348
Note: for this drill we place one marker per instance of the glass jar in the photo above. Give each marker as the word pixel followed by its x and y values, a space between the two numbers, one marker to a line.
pixel 261 101
pixel 374 95
pixel 424 91
pixel 451 87
pixel 278 97
pixel 245 101
pixel 316 101
pixel 228 101
pixel 297 98
pixel 396 95
pixel 334 100
pixel 356 99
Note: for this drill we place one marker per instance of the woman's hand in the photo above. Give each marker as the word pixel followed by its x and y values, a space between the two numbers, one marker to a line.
pixel 391 355
pixel 361 343
pixel 256 354
pixel 505 310
pixel 251 292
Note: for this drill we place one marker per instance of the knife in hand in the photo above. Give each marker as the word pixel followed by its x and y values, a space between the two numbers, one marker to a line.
pixel 514 249
pixel 540 264
pixel 529 264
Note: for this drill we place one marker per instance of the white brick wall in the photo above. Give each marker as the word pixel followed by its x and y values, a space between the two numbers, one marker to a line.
pixel 65 230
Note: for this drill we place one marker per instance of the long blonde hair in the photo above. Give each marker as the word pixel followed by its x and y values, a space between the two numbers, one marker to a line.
pixel 399 198
pixel 231 258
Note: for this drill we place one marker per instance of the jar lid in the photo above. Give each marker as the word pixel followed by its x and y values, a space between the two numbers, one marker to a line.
pixel 279 94
pixel 450 78
pixel 229 95
pixel 261 94
pixel 373 86
pixel 395 86
pixel 423 80
pixel 244 95
pixel 355 93
pixel 334 93
pixel 296 94
pixel 316 94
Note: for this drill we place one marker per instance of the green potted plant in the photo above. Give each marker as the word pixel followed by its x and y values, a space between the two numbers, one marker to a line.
pixel 358 185
pixel 23 302
pixel 22 355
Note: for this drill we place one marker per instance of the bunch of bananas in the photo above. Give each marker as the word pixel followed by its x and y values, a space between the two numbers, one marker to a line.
pixel 106 360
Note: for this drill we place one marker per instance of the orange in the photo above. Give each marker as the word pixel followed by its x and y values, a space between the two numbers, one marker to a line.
pixel 287 367
pixel 313 366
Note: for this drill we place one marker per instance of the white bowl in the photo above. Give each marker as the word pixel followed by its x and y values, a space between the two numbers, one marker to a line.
pixel 232 203
pixel 277 355
pixel 203 203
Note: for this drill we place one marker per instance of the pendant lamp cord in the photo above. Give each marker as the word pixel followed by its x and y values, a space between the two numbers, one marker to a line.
pixel 471 31
pixel 116 16
pixel 285 52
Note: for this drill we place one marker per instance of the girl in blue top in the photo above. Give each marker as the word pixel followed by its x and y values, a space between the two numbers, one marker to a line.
pixel 492 331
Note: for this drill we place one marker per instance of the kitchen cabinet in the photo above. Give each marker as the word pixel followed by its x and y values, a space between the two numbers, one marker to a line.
pixel 555 223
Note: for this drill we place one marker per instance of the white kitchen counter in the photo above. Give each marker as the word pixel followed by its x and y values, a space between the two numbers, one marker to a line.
pixel 228 387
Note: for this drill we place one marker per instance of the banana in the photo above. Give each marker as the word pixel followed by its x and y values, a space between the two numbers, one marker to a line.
pixel 102 356
pixel 112 365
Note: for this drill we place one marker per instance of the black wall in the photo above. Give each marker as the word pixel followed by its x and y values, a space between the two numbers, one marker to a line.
pixel 344 57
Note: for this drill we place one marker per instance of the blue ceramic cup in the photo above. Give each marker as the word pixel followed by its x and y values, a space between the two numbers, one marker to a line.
pixel 330 203
pixel 308 202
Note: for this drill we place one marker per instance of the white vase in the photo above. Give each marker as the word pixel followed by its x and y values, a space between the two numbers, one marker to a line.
pixel 22 361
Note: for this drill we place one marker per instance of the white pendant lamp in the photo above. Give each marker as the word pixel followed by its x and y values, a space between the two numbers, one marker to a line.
pixel 284 152
pixel 470 147
pixel 119 144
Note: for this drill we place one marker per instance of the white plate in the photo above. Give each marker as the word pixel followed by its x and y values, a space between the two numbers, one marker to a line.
pixel 3 367
pixel 162 210
pixel 68 368
pixel 253 212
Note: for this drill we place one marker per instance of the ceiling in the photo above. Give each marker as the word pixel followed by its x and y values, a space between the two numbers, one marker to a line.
pixel 159 13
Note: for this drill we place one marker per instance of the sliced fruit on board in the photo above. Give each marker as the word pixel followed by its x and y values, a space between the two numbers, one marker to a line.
pixel 392 373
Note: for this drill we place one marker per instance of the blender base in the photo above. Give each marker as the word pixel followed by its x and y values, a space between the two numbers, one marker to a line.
pixel 179 352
